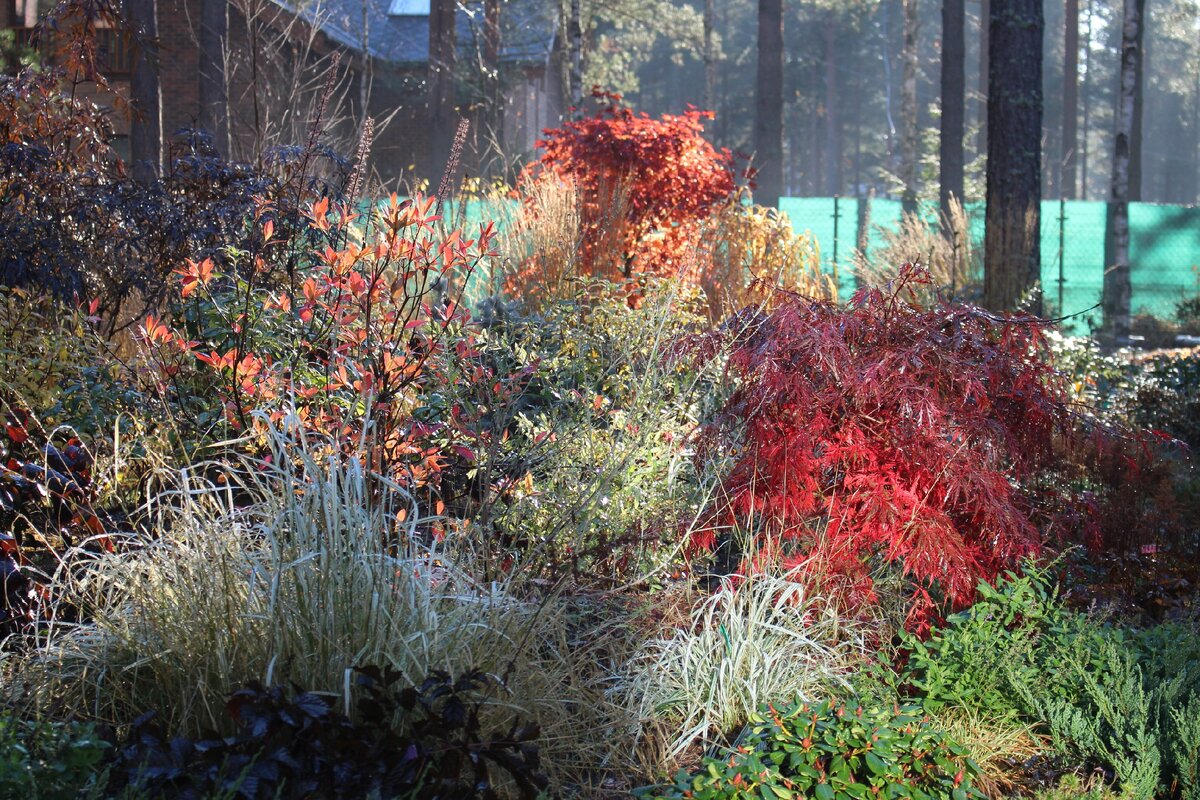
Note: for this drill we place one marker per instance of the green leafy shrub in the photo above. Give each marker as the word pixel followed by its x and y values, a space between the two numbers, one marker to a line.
pixel 588 458
pixel 1123 697
pixel 50 760
pixel 833 750
pixel 976 656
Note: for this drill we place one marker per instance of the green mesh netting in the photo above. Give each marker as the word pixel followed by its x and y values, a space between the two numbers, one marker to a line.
pixel 1164 248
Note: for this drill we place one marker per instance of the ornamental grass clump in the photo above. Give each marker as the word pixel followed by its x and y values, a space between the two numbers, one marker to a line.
pixel 746 644
pixel 295 567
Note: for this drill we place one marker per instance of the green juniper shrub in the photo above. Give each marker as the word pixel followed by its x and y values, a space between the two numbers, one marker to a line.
pixel 1126 698
pixel 833 750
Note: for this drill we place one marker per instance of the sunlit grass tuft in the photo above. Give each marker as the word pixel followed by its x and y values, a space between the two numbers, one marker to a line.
pixel 295 569
pixel 765 639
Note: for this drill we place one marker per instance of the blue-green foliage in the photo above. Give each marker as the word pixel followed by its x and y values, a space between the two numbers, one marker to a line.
pixel 1129 698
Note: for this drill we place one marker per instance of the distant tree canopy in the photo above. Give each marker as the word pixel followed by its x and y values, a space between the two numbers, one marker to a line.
pixel 843 104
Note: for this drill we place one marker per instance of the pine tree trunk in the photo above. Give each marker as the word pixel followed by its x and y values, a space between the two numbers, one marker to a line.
pixel 145 134
pixel 1087 106
pixel 1136 137
pixel 443 45
pixel 1012 253
pixel 1117 296
pixel 950 153
pixel 908 109
pixel 1070 132
pixel 710 58
pixel 833 125
pixel 575 56
pixel 213 88
pixel 981 107
pixel 768 121
pixel 492 99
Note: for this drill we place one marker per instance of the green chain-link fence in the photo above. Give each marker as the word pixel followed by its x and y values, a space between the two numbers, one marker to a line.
pixel 1164 249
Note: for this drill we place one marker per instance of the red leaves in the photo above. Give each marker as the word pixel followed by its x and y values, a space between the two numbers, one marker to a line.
pixel 883 430
pixel 673 178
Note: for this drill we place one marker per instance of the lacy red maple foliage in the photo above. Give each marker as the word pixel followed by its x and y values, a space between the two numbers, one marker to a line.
pixel 663 171
pixel 885 430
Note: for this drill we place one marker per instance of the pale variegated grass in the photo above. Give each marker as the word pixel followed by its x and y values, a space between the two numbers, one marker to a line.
pixel 997 744
pixel 282 573
pixel 767 638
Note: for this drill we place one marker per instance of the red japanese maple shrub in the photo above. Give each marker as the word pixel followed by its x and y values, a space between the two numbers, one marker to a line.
pixel 663 172
pixel 884 430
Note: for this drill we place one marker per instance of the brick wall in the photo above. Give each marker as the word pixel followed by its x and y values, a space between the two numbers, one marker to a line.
pixel 402 148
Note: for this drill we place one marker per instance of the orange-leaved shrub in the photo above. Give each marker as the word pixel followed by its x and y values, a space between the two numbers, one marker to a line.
pixel 885 431
pixel 353 346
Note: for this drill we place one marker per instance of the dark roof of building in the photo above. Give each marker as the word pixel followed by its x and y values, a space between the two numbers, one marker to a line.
pixel 527 28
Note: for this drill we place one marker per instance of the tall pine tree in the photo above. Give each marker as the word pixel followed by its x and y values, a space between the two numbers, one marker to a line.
pixel 1012 253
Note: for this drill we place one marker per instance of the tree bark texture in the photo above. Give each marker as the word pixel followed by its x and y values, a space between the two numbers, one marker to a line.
pixel 950 151
pixel 213 85
pixel 145 134
pixel 1136 137
pixel 710 58
pixel 833 123
pixel 908 110
pixel 443 43
pixel 575 56
pixel 1117 291
pixel 1012 253
pixel 1070 128
pixel 768 119
pixel 493 100
pixel 981 106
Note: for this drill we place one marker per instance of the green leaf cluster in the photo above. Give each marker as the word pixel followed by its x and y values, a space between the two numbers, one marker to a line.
pixel 833 751
pixel 50 760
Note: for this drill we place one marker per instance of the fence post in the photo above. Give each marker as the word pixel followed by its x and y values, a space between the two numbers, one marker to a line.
pixel 861 240
pixel 1062 247
pixel 836 216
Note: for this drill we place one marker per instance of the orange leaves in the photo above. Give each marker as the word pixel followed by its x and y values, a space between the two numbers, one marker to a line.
pixel 195 274
pixel 661 173
pixel 319 214
pixel 155 331
pixel 362 327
